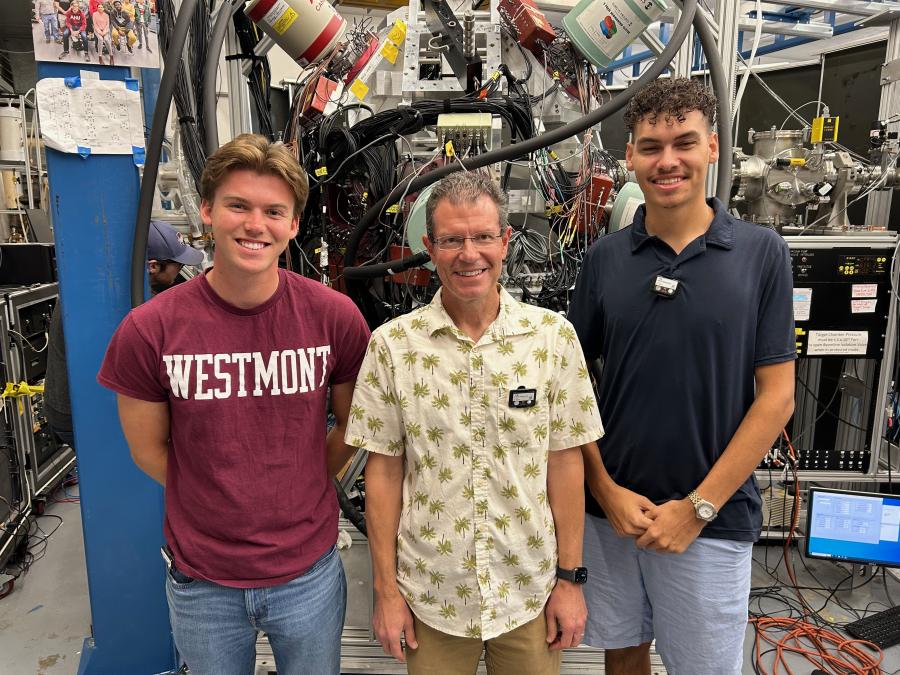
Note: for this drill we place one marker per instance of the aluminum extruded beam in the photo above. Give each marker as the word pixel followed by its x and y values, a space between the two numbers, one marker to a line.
pixel 745 24
pixel 856 7
pixel 878 205
pixel 655 45
pixel 684 59
pixel 807 30
pixel 238 93
pixel 728 15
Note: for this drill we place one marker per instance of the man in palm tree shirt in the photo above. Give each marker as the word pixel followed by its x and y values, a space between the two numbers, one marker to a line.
pixel 473 409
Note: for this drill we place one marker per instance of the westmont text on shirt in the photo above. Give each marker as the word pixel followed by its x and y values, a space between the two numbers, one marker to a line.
pixel 221 376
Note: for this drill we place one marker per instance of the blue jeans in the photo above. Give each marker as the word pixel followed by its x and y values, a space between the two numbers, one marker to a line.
pixel 80 37
pixel 50 25
pixel 215 626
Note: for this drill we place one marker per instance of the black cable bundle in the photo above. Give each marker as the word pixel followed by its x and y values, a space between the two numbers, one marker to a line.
pixel 367 151
pixel 260 77
pixel 197 50
pixel 611 167
pixel 189 65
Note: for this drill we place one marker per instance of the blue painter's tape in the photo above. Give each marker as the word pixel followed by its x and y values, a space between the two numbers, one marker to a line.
pixel 83 151
pixel 131 83
pixel 72 82
pixel 139 155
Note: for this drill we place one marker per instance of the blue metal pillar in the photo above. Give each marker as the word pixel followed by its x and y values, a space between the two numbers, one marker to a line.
pixel 150 90
pixel 94 204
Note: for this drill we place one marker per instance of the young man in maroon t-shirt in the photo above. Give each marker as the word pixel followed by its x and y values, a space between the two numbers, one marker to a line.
pixel 222 385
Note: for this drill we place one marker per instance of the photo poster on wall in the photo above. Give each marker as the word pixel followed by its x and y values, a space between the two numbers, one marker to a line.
pixel 100 32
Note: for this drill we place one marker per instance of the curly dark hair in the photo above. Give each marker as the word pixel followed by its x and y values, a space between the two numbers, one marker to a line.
pixel 671 98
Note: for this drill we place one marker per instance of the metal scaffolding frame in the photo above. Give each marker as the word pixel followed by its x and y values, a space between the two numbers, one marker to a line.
pixel 878 207
pixel 791 27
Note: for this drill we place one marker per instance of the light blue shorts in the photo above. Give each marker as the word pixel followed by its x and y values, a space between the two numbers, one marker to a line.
pixel 694 604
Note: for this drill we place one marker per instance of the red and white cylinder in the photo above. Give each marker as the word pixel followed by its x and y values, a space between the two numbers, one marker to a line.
pixel 308 30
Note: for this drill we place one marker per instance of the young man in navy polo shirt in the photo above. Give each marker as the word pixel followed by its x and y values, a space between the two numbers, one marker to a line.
pixel 690 312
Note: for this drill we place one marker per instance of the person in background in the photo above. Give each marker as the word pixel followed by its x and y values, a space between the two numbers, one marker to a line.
pixel 122 27
pixel 76 29
pixel 102 39
pixel 166 255
pixel 46 11
pixel 62 6
pixel 142 23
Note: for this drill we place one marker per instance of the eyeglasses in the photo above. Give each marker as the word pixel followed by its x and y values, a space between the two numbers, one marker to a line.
pixel 454 242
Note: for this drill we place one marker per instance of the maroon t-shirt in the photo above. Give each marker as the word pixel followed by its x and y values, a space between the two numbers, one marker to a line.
pixel 249 502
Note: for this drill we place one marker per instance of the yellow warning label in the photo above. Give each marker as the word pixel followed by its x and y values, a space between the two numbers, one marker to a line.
pixel 390 52
pixel 322 171
pixel 393 208
pixel 359 89
pixel 448 148
pixel 285 21
pixel 398 33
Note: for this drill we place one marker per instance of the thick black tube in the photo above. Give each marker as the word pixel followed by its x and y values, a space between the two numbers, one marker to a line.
pixel 688 13
pixel 390 267
pixel 210 71
pixel 353 514
pixel 720 86
pixel 154 148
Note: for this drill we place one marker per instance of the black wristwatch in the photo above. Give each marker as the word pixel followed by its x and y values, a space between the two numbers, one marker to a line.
pixel 577 575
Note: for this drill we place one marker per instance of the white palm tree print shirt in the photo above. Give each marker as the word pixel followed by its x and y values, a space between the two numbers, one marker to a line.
pixel 476 547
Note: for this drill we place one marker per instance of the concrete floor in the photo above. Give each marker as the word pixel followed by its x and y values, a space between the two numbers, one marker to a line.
pixel 44 621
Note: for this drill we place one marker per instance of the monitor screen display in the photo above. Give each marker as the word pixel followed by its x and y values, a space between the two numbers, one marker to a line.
pixel 862 527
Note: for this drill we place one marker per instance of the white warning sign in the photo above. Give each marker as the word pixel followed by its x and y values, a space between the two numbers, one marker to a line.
pixel 802 303
pixel 837 343
pixel 863 306
pixel 864 290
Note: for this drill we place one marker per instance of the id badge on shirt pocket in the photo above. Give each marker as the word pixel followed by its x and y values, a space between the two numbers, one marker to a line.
pixel 522 398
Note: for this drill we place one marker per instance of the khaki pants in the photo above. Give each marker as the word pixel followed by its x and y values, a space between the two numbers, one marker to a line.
pixel 522 651
pixel 130 36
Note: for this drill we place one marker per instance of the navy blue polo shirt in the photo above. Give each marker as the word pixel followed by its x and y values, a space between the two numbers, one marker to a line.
pixel 678 372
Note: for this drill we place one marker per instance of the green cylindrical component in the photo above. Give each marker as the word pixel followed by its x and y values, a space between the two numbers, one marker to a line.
pixel 629 198
pixel 601 29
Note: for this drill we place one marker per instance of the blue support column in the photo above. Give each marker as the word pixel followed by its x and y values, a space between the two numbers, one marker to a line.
pixel 94 205
pixel 698 54
pixel 150 90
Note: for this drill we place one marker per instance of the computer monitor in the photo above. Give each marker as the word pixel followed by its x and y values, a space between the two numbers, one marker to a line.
pixel 858 527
